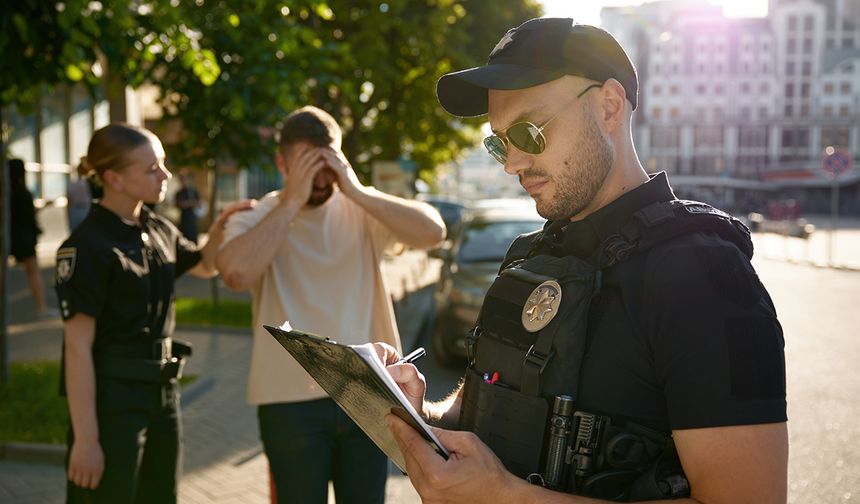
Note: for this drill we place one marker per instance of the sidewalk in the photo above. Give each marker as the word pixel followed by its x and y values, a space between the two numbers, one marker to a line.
pixel 223 462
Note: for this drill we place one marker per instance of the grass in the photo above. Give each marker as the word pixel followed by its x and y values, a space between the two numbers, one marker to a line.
pixel 202 312
pixel 31 408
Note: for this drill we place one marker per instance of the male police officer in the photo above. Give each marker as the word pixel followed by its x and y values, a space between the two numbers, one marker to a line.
pixel 628 350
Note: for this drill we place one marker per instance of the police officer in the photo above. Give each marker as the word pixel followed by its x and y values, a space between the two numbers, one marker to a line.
pixel 627 351
pixel 115 283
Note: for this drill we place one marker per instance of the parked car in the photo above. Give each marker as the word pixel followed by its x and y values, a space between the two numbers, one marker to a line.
pixel 450 209
pixel 471 260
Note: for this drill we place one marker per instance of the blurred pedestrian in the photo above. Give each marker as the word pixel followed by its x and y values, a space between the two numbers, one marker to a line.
pixel 187 200
pixel 311 253
pixel 24 233
pixel 78 198
pixel 115 283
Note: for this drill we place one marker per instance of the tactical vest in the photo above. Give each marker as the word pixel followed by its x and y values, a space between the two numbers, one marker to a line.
pixel 532 331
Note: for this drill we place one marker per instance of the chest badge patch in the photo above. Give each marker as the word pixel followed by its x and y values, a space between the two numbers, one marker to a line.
pixel 66 264
pixel 541 306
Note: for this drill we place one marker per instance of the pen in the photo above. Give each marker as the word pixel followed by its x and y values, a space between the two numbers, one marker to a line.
pixel 412 356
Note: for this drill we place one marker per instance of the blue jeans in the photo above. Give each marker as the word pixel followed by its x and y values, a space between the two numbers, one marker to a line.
pixel 313 442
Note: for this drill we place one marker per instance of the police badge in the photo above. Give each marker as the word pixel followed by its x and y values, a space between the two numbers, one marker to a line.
pixel 66 264
pixel 542 306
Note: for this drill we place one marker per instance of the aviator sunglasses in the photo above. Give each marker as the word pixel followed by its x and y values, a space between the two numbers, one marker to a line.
pixel 525 136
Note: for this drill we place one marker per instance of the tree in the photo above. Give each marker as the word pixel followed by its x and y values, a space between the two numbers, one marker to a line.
pixel 372 65
pixel 47 43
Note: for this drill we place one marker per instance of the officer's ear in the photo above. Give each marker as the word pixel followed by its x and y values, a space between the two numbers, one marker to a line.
pixel 612 105
pixel 112 179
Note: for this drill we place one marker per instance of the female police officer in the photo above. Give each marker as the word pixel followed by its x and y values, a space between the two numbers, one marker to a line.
pixel 115 279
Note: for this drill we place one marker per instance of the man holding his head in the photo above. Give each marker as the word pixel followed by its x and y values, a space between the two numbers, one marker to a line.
pixel 634 353
pixel 310 253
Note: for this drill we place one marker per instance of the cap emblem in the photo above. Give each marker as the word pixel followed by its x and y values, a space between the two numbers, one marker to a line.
pixel 506 39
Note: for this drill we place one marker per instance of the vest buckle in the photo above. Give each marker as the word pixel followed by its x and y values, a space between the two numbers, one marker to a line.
pixel 538 359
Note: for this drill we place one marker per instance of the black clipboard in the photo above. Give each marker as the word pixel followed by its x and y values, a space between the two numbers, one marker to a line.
pixel 355 378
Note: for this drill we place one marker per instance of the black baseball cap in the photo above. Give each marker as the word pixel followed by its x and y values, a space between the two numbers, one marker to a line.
pixel 538 51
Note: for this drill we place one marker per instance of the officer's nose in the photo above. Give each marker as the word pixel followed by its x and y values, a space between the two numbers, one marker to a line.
pixel 164 173
pixel 517 161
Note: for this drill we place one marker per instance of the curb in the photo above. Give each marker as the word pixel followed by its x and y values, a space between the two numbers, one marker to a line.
pixel 34 453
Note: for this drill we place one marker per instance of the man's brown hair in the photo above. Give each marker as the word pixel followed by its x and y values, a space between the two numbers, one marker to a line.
pixel 310 124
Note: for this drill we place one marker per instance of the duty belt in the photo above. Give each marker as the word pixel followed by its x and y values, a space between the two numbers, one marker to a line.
pixel 159 361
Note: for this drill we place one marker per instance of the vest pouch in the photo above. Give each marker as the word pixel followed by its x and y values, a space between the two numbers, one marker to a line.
pixel 512 424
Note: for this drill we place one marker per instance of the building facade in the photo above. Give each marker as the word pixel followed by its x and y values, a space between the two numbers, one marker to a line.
pixel 741 111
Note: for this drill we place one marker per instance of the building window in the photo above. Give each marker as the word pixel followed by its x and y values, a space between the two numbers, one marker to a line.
pixel 848 43
pixel 708 136
pixel 808 23
pixel 789 110
pixel 745 88
pixel 828 88
pixel 828 111
pixel 657 89
pixel 792 23
pixel 830 43
pixel 657 68
pixel 674 113
pixel 701 89
pixel 807 68
pixel 673 89
pixel 656 113
pixel 845 88
pixel 718 89
pixel 746 114
pixel 763 113
pixel 844 111
pixel 804 110
pixel 835 137
pixel 665 137
pixel 789 90
pixel 807 45
pixel 804 90
pixel 795 138
pixel 791 46
pixel 765 68
pixel 764 88
pixel 789 68
pixel 752 136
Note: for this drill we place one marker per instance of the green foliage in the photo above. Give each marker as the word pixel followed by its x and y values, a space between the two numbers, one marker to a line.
pixel 372 65
pixel 203 312
pixel 45 43
pixel 32 408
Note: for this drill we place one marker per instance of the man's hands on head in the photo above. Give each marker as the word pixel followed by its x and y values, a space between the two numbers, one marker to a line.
pixel 306 163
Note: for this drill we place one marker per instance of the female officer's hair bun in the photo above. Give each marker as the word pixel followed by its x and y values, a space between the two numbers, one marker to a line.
pixel 109 148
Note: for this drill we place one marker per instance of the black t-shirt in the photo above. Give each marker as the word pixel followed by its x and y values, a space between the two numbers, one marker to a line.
pixel 123 275
pixel 683 335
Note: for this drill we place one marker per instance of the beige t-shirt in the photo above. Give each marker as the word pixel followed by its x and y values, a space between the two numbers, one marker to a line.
pixel 324 279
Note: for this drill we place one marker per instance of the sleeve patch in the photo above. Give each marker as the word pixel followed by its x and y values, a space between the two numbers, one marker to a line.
pixel 66 264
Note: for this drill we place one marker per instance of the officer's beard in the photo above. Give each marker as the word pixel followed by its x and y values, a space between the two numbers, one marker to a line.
pixel 585 171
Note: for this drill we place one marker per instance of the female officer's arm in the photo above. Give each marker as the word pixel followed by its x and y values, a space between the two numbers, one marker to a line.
pixel 86 461
pixel 206 267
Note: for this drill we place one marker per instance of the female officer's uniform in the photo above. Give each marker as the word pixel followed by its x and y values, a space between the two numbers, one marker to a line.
pixel 123 275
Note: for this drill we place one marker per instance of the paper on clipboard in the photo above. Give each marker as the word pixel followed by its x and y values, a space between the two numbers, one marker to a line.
pixel 356 379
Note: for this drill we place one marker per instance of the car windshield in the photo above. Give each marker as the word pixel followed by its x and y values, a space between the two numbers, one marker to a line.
pixel 485 241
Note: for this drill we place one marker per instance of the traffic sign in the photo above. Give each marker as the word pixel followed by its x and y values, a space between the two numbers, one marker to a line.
pixel 836 161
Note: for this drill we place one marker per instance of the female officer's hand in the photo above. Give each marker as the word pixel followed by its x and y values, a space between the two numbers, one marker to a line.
pixel 407 377
pixel 86 464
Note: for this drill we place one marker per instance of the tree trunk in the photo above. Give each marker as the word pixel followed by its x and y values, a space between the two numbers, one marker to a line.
pixel 213 209
pixel 4 248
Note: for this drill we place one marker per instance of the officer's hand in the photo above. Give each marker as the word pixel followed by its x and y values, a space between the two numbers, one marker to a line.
pixel 86 464
pixel 299 176
pixel 472 474
pixel 347 180
pixel 411 382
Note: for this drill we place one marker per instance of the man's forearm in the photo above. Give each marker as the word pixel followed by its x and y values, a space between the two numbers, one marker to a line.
pixel 413 223
pixel 245 257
